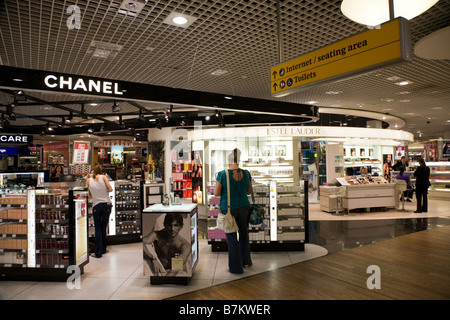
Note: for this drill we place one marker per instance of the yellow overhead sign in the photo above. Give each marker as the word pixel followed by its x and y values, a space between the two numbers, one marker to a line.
pixel 387 44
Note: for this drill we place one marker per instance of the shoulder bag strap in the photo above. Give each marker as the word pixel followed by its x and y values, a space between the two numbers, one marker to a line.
pixel 228 191
pixel 251 186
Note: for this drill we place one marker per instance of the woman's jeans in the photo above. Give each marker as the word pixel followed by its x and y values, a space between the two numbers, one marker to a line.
pixel 239 250
pixel 101 214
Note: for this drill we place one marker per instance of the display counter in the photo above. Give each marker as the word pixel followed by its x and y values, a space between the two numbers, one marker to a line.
pixel 43 232
pixel 285 223
pixel 359 194
pixel 170 242
pixel 369 196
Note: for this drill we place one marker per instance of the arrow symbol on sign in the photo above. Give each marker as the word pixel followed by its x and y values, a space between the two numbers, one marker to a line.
pixel 274 75
pixel 275 87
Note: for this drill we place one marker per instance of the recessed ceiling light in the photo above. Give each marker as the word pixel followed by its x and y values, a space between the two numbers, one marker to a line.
pixel 404 100
pixel 333 92
pixel 179 19
pixel 131 8
pixel 17 79
pixel 219 72
pixel 403 83
pixel 312 102
pixel 393 78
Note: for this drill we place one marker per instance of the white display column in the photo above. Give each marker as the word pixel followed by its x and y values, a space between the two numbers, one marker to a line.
pixel 335 160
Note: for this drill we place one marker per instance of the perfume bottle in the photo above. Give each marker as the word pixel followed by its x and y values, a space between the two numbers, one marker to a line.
pixel 177 263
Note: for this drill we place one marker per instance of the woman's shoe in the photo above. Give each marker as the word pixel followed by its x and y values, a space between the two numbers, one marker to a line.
pixel 93 255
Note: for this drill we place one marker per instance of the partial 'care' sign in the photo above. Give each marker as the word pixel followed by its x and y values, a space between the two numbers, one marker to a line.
pixel 387 44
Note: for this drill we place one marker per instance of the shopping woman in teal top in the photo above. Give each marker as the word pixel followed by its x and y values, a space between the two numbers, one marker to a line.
pixel 240 186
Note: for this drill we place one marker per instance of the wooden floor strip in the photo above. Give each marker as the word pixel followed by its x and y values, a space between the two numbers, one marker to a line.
pixel 414 266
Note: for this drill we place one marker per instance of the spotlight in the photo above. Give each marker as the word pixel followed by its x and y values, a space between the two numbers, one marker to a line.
pixel 12 116
pixel 49 129
pixel 168 112
pixel 120 122
pixel 159 125
pixel 141 116
pixel 70 117
pixel 19 96
pixel 115 107
pixel 90 131
pixel 83 113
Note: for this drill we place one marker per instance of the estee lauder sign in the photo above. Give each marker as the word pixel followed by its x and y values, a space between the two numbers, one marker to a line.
pixel 293 131
pixel 80 84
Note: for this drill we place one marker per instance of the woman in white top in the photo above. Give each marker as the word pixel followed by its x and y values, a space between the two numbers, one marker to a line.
pixel 99 189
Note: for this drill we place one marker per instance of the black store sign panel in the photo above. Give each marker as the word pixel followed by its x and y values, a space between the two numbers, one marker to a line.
pixel 15 138
pixel 19 78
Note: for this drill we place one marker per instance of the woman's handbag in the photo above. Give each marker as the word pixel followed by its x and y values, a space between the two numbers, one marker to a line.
pixel 256 211
pixel 227 222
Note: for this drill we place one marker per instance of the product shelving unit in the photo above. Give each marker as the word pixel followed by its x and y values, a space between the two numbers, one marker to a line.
pixel 125 218
pixel 439 179
pixel 128 208
pixel 286 218
pixel 182 175
pixel 153 193
pixel 43 232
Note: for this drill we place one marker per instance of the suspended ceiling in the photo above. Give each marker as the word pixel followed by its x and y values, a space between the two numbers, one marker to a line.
pixel 228 49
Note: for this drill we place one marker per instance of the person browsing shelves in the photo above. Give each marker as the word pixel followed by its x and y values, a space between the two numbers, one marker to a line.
pixel 99 189
pixel 240 184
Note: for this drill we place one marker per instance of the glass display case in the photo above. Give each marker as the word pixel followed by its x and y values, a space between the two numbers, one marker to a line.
pixel 439 178
pixel 266 158
pixel 285 224
pixel 153 193
pixel 20 180
pixel 43 232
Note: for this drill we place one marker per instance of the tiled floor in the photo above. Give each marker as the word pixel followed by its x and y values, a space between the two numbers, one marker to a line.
pixel 119 274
